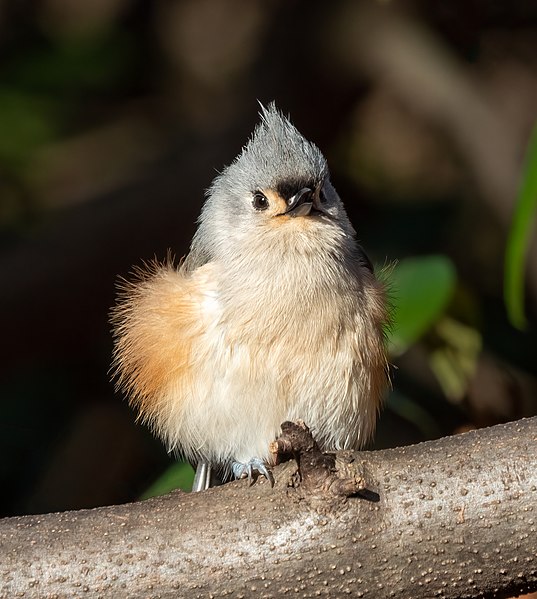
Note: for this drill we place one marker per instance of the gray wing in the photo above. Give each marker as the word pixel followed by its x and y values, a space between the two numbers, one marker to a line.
pixel 194 259
pixel 364 260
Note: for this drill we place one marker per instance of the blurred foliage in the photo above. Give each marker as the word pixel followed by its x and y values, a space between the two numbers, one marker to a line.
pixel 51 90
pixel 27 124
pixel 522 227
pixel 411 411
pixel 69 68
pixel 454 359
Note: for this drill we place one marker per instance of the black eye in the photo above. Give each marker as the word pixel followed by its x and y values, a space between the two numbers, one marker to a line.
pixel 260 201
pixel 322 196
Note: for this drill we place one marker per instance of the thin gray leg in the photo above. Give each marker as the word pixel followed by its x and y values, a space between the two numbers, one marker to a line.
pixel 202 479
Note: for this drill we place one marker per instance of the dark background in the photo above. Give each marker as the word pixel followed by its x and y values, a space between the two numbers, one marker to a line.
pixel 115 116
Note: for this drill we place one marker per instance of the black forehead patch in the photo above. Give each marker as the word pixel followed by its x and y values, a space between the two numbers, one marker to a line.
pixel 289 187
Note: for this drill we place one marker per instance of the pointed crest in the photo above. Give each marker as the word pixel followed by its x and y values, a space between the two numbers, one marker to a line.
pixel 276 154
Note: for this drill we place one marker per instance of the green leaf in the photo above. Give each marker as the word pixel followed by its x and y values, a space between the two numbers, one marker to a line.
pixel 178 476
pixel 519 236
pixel 421 289
pixel 455 357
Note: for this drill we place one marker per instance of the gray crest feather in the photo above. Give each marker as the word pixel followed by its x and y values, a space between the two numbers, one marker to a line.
pixel 276 153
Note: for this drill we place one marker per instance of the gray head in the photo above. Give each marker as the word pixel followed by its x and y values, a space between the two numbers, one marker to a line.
pixel 278 185
pixel 276 157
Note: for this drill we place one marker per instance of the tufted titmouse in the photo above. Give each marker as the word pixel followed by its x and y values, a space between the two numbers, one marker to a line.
pixel 274 315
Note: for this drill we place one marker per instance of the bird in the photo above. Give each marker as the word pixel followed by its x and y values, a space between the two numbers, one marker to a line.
pixel 275 314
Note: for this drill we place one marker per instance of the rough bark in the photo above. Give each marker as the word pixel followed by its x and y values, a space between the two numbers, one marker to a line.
pixel 449 518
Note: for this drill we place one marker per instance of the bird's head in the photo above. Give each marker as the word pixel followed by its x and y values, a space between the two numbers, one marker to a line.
pixel 277 191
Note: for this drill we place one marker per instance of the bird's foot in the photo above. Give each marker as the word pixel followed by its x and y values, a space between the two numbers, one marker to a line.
pixel 252 470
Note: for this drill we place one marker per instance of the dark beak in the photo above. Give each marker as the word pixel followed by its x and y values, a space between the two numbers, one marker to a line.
pixel 301 203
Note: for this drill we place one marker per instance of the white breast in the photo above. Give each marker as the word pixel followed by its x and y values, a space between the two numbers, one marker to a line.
pixel 275 354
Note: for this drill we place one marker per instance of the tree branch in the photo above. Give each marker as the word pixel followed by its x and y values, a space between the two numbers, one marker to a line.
pixel 449 518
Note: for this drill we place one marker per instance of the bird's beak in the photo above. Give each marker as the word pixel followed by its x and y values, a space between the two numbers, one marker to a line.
pixel 301 203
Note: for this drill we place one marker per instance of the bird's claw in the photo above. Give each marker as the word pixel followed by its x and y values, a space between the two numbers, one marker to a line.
pixel 251 470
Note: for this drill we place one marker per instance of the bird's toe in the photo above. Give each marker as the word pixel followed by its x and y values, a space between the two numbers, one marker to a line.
pixel 252 469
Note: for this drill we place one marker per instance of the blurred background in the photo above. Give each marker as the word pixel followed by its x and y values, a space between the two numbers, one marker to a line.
pixel 115 116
